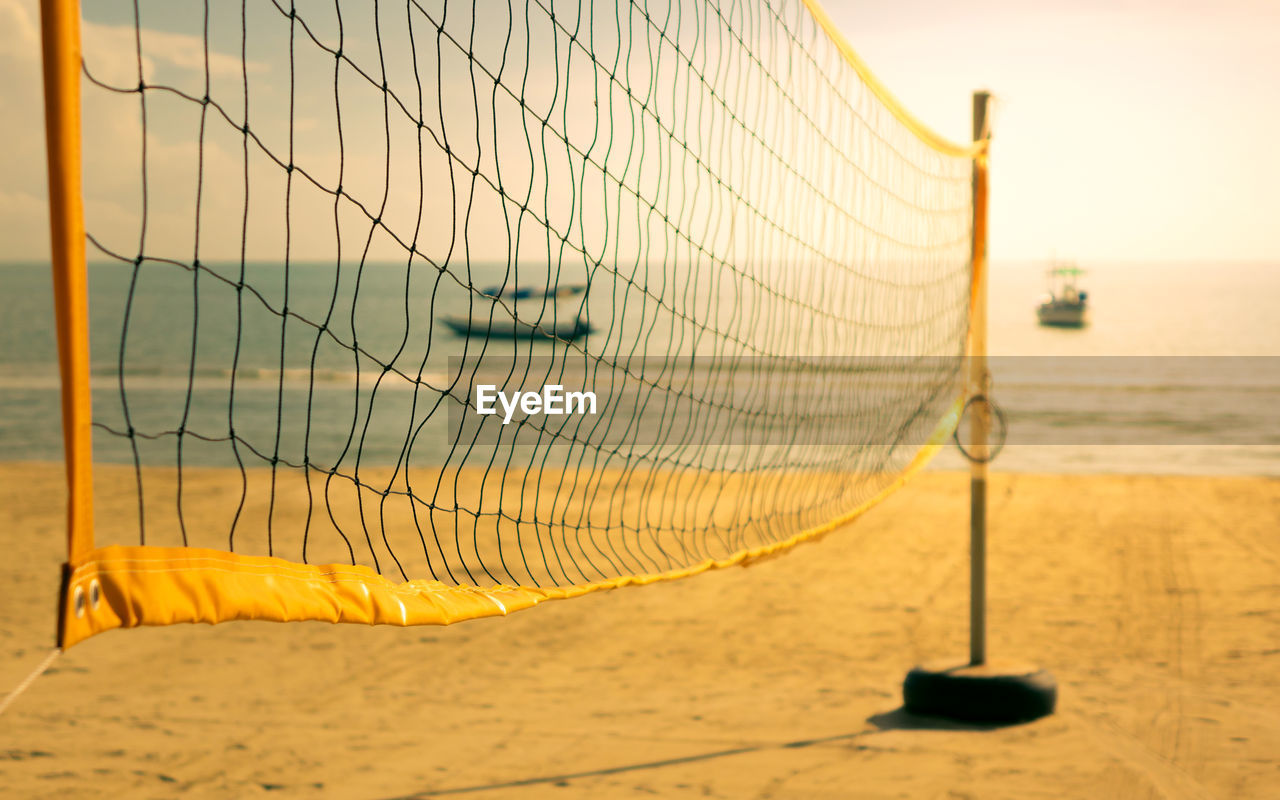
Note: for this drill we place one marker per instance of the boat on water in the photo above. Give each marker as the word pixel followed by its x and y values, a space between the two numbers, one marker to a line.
pixel 525 313
pixel 1066 305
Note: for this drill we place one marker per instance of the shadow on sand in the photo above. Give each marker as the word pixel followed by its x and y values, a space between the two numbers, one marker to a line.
pixel 898 719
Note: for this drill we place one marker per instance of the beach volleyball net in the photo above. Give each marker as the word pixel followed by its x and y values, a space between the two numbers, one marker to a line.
pixel 315 230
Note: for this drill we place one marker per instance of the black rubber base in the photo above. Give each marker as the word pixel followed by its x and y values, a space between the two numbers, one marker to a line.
pixel 980 694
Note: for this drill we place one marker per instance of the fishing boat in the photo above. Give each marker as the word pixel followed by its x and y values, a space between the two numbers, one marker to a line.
pixel 525 313
pixel 1066 305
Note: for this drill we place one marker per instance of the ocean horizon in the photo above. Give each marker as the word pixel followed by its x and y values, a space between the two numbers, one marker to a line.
pixel 1164 315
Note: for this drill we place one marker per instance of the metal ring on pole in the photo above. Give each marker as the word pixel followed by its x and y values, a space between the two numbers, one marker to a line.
pixel 1002 425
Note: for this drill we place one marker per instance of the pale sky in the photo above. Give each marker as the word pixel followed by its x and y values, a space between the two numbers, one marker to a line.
pixel 1139 130
pixel 1126 129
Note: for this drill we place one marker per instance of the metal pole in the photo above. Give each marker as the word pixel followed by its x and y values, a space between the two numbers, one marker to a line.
pixel 60 40
pixel 979 381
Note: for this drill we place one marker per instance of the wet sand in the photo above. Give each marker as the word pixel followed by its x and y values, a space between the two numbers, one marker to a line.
pixel 1154 601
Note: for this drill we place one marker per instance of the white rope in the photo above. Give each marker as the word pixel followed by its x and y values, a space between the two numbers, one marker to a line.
pixel 30 679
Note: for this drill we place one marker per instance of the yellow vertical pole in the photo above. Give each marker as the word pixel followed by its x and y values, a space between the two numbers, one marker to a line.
pixel 979 382
pixel 60 39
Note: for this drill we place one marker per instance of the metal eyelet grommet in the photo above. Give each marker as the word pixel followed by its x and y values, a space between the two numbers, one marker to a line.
pixel 95 594
pixel 78 601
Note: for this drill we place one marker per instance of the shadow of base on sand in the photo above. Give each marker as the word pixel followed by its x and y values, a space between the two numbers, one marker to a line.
pixel 900 719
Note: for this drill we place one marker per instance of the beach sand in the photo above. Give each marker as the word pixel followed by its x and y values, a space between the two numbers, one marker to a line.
pixel 1154 601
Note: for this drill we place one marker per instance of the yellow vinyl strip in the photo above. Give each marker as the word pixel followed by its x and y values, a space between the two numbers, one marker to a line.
pixel 129 586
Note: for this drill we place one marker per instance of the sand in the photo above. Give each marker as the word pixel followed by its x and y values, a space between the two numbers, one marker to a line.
pixel 1155 602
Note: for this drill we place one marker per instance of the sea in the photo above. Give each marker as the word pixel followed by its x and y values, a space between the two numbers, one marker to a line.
pixel 1178 371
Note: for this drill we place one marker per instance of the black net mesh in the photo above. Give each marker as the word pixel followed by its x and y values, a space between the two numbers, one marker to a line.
pixel 316 226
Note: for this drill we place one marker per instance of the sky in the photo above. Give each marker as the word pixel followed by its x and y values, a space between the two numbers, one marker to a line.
pixel 1139 130
pixel 1124 129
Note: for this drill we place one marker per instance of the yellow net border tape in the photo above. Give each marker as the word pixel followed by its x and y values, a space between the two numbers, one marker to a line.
pixel 923 132
pixel 128 586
